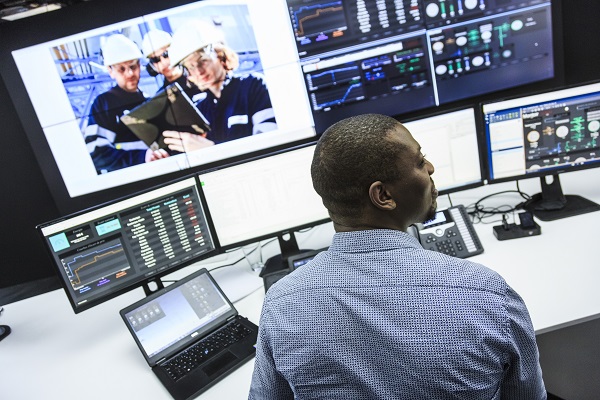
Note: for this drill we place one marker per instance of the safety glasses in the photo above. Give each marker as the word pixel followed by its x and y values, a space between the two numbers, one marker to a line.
pixel 156 59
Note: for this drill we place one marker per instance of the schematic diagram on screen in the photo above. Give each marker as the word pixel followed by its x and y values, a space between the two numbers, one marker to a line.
pixel 564 134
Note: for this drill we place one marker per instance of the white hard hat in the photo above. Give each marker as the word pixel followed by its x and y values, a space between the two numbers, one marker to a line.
pixel 153 40
pixel 192 37
pixel 119 48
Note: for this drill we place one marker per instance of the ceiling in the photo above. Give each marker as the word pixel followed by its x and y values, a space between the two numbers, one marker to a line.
pixel 18 9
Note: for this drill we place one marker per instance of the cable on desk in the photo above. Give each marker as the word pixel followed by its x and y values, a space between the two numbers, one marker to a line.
pixel 479 213
pixel 258 247
pixel 228 265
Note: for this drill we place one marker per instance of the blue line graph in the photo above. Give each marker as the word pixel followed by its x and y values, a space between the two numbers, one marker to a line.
pixel 318 18
pixel 102 261
pixel 331 98
pixel 332 77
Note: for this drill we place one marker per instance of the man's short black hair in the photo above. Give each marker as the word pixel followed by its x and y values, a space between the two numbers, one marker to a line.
pixel 351 155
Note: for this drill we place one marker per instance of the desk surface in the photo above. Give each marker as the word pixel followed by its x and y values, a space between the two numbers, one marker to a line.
pixel 53 353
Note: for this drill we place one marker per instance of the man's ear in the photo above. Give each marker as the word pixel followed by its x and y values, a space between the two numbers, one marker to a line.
pixel 381 197
pixel 111 71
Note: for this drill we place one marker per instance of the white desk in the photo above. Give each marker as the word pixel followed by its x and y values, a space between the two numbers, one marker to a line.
pixel 54 354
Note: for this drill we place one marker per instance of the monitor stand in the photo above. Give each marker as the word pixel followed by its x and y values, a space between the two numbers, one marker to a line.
pixel 279 262
pixel 4 331
pixel 551 204
pixel 153 286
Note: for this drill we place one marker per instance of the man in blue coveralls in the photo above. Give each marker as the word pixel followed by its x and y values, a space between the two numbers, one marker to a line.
pixel 110 142
pixel 236 106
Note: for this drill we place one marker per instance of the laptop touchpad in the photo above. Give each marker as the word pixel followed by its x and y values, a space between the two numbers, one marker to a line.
pixel 215 366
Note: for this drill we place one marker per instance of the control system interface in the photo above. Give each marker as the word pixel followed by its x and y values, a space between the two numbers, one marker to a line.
pixel 544 133
pixel 106 250
pixel 450 232
pixel 394 57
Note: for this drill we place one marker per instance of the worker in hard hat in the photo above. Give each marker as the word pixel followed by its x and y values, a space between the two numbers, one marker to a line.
pixel 111 144
pixel 236 106
pixel 155 47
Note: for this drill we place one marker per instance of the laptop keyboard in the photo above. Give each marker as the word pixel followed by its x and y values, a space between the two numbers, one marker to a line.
pixel 191 358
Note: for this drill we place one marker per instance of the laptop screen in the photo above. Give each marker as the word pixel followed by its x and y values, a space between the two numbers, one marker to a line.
pixel 172 318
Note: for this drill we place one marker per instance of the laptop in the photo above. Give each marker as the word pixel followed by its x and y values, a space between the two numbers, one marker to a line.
pixel 170 109
pixel 191 334
pixel 297 260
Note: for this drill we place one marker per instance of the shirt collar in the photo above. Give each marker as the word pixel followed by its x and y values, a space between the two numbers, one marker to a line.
pixel 372 240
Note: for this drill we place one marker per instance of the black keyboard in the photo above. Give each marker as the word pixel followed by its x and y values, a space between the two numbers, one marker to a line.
pixel 191 358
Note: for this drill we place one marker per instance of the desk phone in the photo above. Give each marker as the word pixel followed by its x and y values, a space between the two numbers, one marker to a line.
pixel 451 232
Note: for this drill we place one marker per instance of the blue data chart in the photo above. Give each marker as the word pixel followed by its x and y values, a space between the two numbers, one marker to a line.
pixel 96 265
pixel 336 76
pixel 338 96
pixel 318 22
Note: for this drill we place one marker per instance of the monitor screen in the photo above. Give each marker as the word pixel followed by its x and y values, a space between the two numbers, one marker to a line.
pixel 108 250
pixel 449 141
pixel 398 57
pixel 60 76
pixel 263 197
pixel 544 135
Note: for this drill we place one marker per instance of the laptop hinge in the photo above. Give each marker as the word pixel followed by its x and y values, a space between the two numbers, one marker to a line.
pixel 161 360
pixel 231 318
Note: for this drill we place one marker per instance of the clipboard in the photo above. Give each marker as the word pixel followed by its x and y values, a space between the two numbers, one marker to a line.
pixel 169 109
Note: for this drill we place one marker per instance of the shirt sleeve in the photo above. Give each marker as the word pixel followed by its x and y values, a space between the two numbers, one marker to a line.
pixel 261 110
pixel 267 382
pixel 523 374
pixel 100 141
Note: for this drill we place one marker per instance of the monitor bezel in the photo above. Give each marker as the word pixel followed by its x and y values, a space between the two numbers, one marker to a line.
pixel 141 281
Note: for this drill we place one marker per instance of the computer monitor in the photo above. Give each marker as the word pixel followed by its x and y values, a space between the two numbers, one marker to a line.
pixel 449 141
pixel 544 135
pixel 103 252
pixel 263 198
pixel 403 56
pixel 273 195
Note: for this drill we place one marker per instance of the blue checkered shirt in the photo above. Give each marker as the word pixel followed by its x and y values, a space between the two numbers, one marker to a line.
pixel 378 317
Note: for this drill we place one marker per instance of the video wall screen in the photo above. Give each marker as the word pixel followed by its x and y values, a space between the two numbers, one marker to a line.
pixel 396 57
pixel 301 65
pixel 86 89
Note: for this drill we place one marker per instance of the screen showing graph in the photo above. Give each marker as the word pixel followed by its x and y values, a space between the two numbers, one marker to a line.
pixel 397 57
pixel 105 251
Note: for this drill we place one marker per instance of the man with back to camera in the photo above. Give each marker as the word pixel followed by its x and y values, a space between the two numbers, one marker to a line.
pixel 155 47
pixel 376 316
pixel 236 106
pixel 111 144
